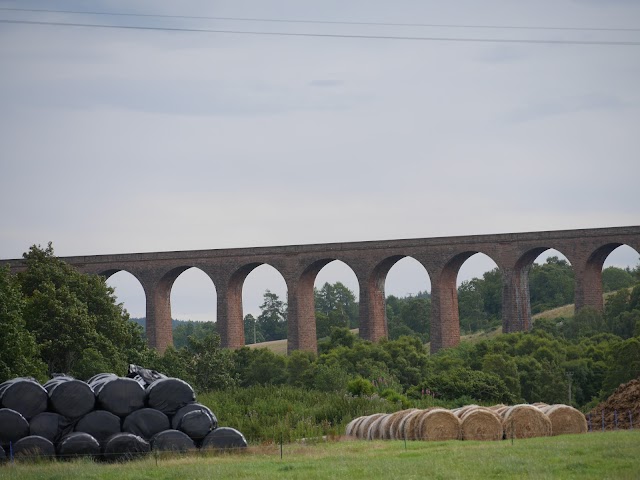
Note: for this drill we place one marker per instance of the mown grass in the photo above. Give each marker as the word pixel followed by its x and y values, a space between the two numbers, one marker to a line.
pixel 593 456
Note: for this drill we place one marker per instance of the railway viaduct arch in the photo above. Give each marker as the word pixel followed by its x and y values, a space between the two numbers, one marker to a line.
pixel 442 257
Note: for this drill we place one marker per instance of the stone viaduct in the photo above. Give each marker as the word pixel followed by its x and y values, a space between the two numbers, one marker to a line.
pixel 442 257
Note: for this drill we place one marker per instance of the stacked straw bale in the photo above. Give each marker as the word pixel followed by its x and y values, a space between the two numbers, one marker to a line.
pixel 438 424
pixel 479 423
pixel 565 419
pixel 470 422
pixel 525 421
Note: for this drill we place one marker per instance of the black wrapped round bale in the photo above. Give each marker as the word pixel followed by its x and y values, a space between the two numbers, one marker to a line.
pixel 146 422
pixel 24 395
pixel 224 438
pixel 172 441
pixel 175 420
pixel 50 425
pixel 169 395
pixel 78 444
pixel 33 446
pixel 124 446
pixel 197 424
pixel 100 424
pixel 13 426
pixel 118 395
pixel 70 397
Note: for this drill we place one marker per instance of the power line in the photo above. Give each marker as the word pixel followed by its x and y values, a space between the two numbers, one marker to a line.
pixel 323 22
pixel 327 35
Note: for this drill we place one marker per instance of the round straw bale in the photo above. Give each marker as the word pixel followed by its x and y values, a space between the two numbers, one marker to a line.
pixel 348 430
pixel 438 424
pixel 496 407
pixel 363 427
pixel 525 421
pixel 502 411
pixel 540 404
pixel 458 412
pixel 390 432
pixel 565 419
pixel 481 424
pixel 355 429
pixel 410 426
pixel 375 429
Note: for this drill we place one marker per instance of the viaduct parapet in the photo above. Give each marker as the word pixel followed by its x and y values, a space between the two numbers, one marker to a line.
pixel 442 257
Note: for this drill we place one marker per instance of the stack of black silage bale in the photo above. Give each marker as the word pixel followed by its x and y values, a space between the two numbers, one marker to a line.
pixel 107 417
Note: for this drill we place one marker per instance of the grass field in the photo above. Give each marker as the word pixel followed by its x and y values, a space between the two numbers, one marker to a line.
pixel 593 456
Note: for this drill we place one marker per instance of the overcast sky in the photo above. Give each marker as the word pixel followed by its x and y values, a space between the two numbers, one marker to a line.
pixel 115 141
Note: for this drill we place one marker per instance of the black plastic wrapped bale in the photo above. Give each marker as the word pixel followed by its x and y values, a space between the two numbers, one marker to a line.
pixel 169 395
pixel 23 395
pixel 171 441
pixel 197 424
pixel 100 424
pixel 146 422
pixel 175 420
pixel 124 446
pixel 78 444
pixel 13 426
pixel 33 446
pixel 50 425
pixel 224 438
pixel 118 395
pixel 70 397
pixel 144 376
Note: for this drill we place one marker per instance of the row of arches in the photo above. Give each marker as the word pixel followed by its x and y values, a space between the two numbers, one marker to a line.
pixel 191 287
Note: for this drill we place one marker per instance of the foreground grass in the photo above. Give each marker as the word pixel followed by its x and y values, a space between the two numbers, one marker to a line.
pixel 596 455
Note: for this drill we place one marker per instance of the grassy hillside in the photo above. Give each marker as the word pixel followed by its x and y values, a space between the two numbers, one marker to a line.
pixel 590 456
pixel 280 346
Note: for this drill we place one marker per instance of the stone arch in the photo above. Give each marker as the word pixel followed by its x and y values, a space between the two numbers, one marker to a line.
pixel 302 319
pixel 230 311
pixel 516 313
pixel 249 288
pixel 122 297
pixel 159 328
pixel 589 287
pixel 445 314
pixel 381 282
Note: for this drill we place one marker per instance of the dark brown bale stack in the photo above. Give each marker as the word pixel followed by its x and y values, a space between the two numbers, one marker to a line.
pixel 525 421
pixel 480 423
pixel 565 419
pixel 438 424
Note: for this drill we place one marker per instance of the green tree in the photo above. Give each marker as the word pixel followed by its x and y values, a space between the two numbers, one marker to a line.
pixel 551 284
pixel 272 320
pixel 73 315
pixel 19 355
pixel 614 278
pixel 208 365
pixel 252 331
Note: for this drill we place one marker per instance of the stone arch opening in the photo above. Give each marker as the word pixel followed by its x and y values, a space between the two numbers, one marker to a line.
pixel 551 281
pixel 407 288
pixel 479 291
pixel 193 301
pixel 264 303
pixel 619 268
pixel 335 294
pixel 128 291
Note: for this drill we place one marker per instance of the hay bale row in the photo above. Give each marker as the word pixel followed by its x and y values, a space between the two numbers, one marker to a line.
pixel 470 422
pixel 109 417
